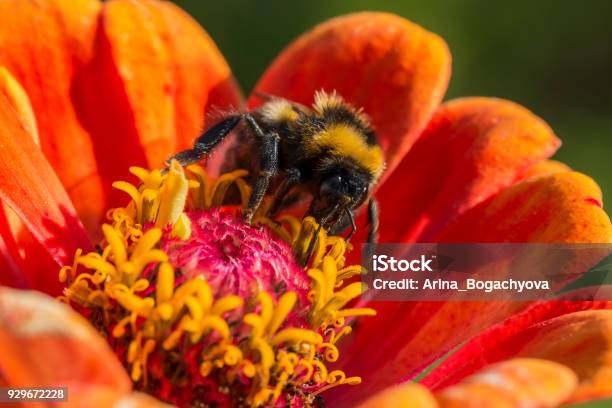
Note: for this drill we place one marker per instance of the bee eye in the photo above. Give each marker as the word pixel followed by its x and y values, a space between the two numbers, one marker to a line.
pixel 333 185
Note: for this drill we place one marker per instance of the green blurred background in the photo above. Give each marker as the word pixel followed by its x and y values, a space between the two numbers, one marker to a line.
pixel 554 57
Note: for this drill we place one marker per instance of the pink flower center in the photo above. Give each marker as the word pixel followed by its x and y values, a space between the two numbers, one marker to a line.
pixel 236 258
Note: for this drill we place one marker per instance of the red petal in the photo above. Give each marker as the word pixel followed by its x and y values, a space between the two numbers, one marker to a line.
pixel 550 208
pixel 11 272
pixel 405 337
pixel 29 263
pixel 31 189
pixel 25 261
pixel 394 69
pixel 471 149
pixel 400 349
pixel 44 343
pixel 549 330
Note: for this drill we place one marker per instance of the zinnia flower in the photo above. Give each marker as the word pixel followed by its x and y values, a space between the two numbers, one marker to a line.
pixel 181 299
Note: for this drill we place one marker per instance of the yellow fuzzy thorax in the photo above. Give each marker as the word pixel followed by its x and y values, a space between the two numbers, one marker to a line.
pixel 345 141
pixel 336 140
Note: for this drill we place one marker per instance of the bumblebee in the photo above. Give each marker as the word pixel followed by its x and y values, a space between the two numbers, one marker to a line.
pixel 329 151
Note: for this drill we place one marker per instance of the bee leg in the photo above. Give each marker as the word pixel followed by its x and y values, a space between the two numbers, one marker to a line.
pixel 351 218
pixel 311 247
pixel 373 214
pixel 293 177
pixel 206 142
pixel 268 166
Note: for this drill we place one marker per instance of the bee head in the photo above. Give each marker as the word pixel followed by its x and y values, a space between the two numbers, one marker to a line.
pixel 340 188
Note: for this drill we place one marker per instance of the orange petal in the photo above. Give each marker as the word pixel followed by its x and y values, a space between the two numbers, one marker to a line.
pixel 168 67
pixel 111 89
pixel 44 343
pixel 84 395
pixel 46 62
pixel 471 149
pixel 546 168
pixel 394 69
pixel 405 337
pixel 201 76
pixel 144 94
pixel 402 396
pixel 560 207
pixel 514 383
pixel 16 97
pixel 124 94
pixel 143 65
pixel 31 189
pixel 140 400
pixel 582 341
